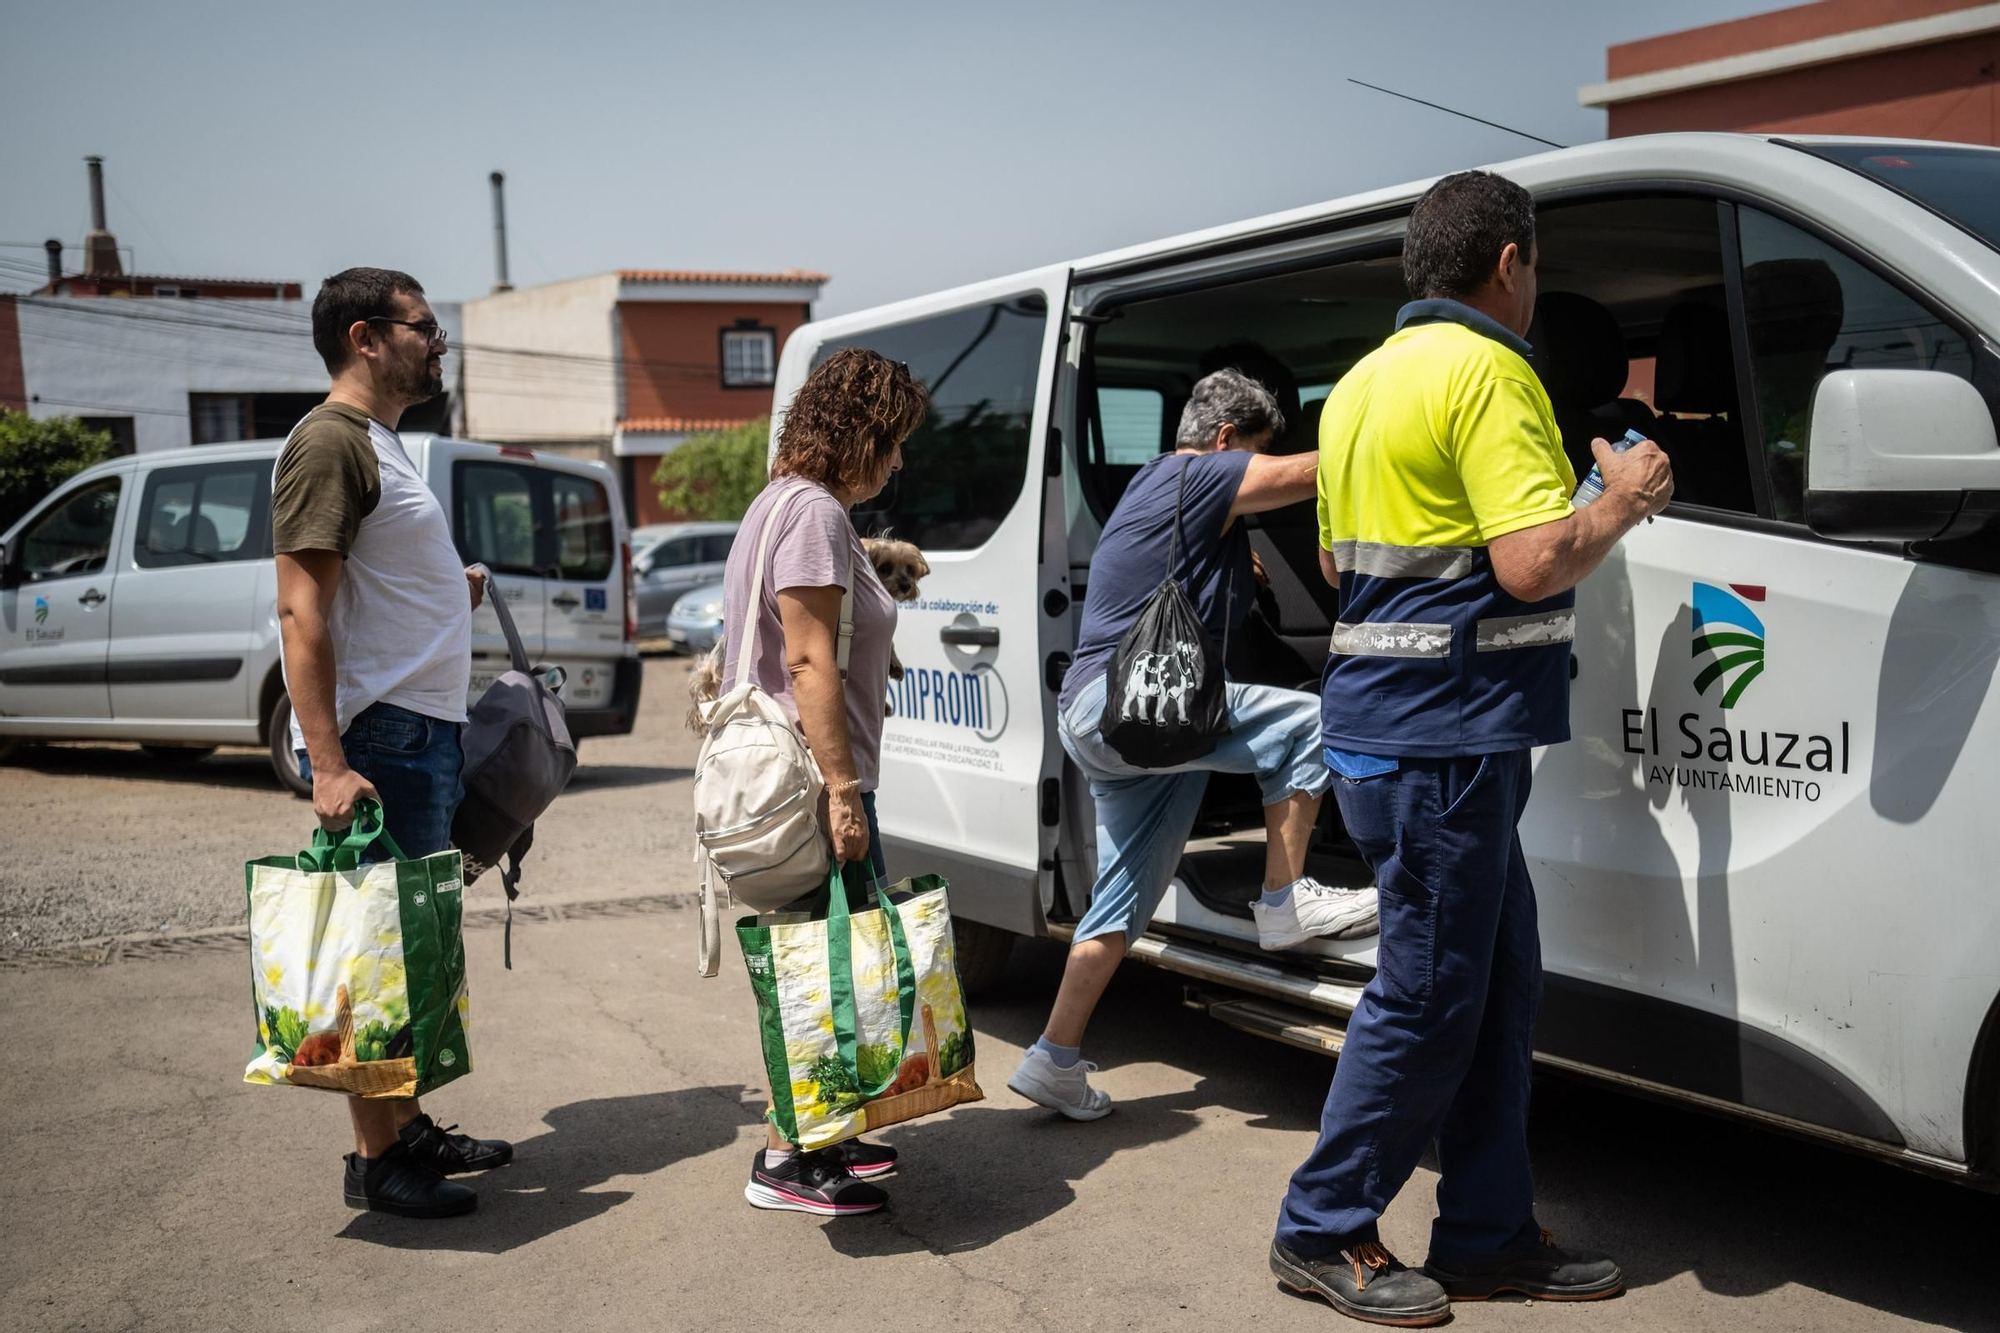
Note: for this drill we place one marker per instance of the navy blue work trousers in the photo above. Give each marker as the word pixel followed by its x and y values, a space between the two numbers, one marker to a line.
pixel 1439 1048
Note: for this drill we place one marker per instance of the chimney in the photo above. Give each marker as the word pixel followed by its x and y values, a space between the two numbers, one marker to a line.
pixel 55 249
pixel 100 247
pixel 500 231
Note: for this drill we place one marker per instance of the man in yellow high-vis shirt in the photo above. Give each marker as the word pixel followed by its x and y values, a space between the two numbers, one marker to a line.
pixel 1446 523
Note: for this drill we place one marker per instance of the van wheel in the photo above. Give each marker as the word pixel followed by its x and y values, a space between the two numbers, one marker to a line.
pixel 178 754
pixel 982 953
pixel 284 762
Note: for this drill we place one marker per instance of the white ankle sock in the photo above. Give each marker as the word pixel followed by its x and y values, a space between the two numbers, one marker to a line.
pixel 777 1157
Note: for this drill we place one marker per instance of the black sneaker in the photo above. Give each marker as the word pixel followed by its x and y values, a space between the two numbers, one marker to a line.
pixel 811 1182
pixel 866 1161
pixel 451 1154
pixel 396 1182
pixel 1540 1269
pixel 1364 1281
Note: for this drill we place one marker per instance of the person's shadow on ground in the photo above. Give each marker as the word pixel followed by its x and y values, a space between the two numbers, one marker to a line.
pixel 550 1185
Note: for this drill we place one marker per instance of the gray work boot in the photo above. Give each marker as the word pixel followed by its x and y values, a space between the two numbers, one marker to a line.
pixel 1364 1281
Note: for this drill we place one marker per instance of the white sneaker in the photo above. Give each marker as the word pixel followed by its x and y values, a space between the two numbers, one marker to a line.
pixel 1065 1090
pixel 1314 911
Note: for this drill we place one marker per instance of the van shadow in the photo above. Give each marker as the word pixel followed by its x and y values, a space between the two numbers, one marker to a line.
pixel 1021 1163
pixel 239 769
pixel 550 1185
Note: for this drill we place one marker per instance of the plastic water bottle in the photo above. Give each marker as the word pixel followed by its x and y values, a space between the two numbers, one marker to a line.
pixel 1592 485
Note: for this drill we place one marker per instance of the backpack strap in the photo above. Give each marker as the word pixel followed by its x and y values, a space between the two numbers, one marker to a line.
pixel 844 642
pixel 746 640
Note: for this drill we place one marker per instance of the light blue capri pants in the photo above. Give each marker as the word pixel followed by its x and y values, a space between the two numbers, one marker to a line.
pixel 1144 815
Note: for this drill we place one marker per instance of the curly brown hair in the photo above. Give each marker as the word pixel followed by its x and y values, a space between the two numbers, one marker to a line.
pixel 847 419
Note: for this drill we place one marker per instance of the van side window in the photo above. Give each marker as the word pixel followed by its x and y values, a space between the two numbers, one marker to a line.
pixel 1811 309
pixel 203 515
pixel 715 547
pixel 496 517
pixel 964 468
pixel 584 535
pixel 1133 422
pixel 74 537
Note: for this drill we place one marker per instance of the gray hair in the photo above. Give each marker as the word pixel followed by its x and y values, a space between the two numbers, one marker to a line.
pixel 1227 398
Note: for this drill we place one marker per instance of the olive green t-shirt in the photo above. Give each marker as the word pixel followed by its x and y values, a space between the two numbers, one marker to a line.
pixel 327 480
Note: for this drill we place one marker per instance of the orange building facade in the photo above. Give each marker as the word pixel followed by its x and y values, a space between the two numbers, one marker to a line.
pixel 1917 69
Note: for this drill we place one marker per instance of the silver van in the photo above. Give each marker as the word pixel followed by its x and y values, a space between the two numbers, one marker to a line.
pixel 138 602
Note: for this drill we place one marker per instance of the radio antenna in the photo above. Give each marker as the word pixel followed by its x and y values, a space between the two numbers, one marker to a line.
pixel 1464 115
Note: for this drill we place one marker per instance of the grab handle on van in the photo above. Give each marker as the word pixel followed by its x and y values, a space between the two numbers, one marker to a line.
pixel 971 636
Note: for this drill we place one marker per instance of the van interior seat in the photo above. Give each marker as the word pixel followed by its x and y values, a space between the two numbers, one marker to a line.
pixel 1694 373
pixel 1580 355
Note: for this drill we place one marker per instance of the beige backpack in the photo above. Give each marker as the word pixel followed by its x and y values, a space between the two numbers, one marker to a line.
pixel 756 787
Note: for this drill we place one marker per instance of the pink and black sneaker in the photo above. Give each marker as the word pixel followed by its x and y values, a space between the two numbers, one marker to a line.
pixel 811 1182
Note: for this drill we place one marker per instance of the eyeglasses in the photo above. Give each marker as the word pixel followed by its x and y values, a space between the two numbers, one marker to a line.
pixel 430 330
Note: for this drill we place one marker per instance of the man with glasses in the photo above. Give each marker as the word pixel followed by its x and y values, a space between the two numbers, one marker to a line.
pixel 377 655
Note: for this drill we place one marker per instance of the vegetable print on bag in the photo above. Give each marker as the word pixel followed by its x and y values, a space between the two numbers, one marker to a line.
pixel 862 1018
pixel 357 972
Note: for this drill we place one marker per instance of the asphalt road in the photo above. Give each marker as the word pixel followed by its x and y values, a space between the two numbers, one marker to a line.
pixel 143 1186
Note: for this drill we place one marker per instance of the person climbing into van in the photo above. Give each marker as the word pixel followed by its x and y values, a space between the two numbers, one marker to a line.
pixel 841 442
pixel 1144 816
pixel 1446 523
pixel 377 651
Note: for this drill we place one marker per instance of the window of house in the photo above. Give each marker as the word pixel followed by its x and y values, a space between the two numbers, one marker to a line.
pixel 496 517
pixel 1810 309
pixel 964 467
pixel 74 537
pixel 124 436
pixel 749 358
pixel 203 515
pixel 221 418
pixel 584 535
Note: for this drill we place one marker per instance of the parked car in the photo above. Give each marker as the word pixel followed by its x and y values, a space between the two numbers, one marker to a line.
pixel 138 602
pixel 1761 892
pixel 670 560
pixel 696 620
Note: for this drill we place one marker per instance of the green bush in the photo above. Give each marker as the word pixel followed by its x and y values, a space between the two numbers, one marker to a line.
pixel 717 474
pixel 38 456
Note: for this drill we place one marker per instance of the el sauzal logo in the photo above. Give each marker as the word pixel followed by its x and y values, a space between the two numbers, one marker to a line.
pixel 1729 635
pixel 41 610
pixel 1726 751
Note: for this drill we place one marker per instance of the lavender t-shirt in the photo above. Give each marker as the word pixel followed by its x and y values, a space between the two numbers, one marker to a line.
pixel 809 550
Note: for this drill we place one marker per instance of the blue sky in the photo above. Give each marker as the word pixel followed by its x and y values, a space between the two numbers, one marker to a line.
pixel 900 147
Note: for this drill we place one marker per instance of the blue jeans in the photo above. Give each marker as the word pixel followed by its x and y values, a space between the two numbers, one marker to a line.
pixel 1439 1047
pixel 1144 815
pixel 415 763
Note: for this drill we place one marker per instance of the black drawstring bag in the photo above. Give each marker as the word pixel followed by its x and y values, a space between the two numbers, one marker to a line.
pixel 1164 703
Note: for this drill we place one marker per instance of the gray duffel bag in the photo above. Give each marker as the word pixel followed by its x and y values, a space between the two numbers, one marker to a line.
pixel 518 758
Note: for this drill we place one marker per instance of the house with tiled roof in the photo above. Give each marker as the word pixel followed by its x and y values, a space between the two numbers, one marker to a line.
pixel 627 365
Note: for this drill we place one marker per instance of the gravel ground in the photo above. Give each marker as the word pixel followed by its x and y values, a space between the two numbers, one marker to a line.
pixel 105 840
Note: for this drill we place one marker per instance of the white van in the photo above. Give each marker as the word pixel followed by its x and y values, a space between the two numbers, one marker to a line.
pixel 139 601
pixel 1763 862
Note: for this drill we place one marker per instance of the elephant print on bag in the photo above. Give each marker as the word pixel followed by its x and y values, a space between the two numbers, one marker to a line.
pixel 1159 680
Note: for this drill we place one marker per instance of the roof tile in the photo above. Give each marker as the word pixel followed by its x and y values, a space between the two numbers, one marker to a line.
pixel 783 278
pixel 679 425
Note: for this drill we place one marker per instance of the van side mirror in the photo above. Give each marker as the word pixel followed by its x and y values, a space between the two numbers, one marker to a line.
pixel 1900 455
pixel 10 577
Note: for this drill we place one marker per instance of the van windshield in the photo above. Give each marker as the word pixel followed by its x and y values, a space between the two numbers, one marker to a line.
pixel 1961 185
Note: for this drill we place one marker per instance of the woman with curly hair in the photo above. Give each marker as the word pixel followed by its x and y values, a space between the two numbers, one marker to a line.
pixel 841 441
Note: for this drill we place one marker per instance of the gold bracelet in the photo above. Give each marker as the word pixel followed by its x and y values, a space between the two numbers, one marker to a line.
pixel 848 785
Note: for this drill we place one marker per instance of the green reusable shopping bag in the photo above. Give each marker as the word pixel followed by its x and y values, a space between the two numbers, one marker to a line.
pixel 357 971
pixel 861 1016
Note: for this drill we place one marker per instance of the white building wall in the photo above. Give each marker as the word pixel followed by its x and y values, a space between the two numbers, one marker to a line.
pixel 142 356
pixel 539 362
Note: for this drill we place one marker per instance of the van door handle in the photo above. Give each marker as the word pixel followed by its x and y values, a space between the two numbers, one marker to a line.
pixel 567 601
pixel 91 597
pixel 971 636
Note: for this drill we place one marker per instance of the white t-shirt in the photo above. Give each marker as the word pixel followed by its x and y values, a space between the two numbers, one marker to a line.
pixel 401 621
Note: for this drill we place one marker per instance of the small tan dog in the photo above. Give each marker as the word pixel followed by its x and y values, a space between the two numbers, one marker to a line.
pixel 898 564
